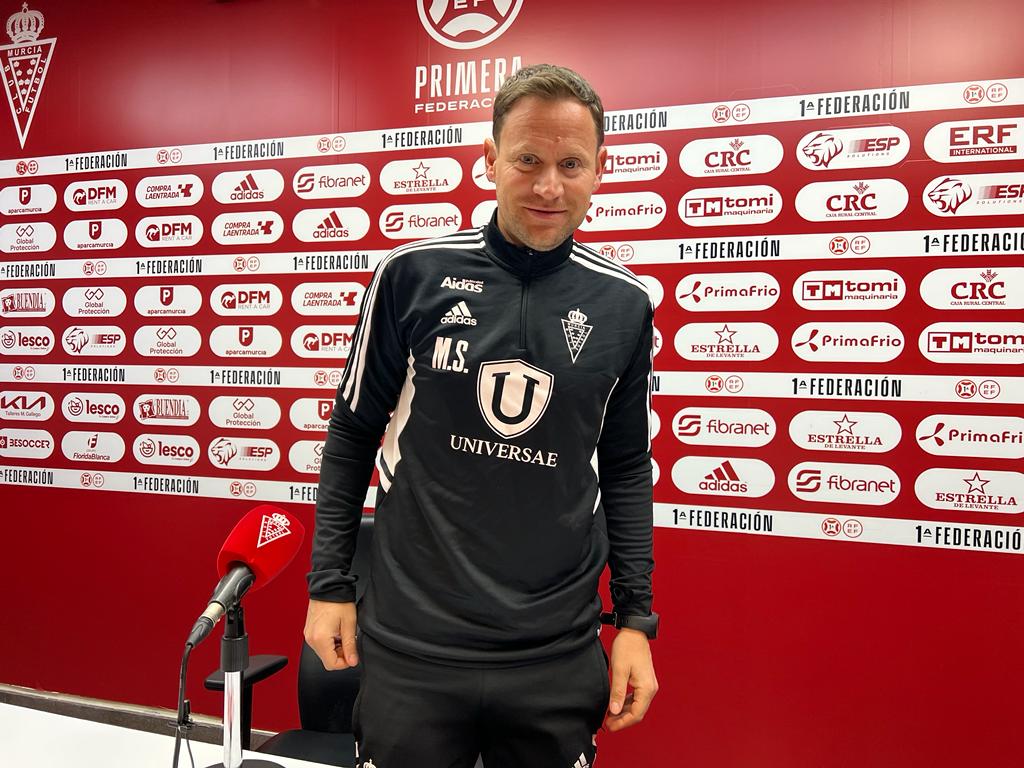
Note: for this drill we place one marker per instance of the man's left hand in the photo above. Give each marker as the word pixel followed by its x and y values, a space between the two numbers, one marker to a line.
pixel 631 666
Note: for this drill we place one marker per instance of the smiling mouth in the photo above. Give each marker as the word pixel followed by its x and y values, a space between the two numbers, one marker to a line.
pixel 545 211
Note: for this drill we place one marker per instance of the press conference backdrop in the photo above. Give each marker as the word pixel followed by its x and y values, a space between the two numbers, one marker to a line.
pixel 825 202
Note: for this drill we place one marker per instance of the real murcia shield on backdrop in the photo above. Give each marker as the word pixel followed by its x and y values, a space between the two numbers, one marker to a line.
pixel 513 395
pixel 25 63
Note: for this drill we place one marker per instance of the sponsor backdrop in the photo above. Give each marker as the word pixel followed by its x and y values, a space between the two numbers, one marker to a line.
pixel 826 203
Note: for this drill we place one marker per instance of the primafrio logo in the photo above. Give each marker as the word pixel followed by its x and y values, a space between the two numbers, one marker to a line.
pixel 853 148
pixel 311 414
pixel 103 447
pixel 316 182
pixel 634 162
pixel 848 200
pixel 971 490
pixel 978 194
pixel 249 228
pixel 730 206
pixel 245 412
pixel 232 187
pixel 974 288
pixel 96 407
pixel 866 431
pixel 168 340
pixel 829 483
pixel 96 195
pixel 25 443
pixel 245 341
pixel 327 298
pixel 322 225
pixel 95 234
pixel 166 410
pixel 330 341
pixel 465 24
pixel 723 476
pixel 166 450
pixel 25 63
pixel 996 437
pixel 867 289
pixel 260 299
pixel 969 141
pixel 407 222
pixel 30 237
pixel 94 301
pixel 243 453
pixel 746 427
pixel 731 156
pixel 726 341
pixel 168 231
pixel 727 291
pixel 99 340
pixel 26 302
pixel 26 340
pixel 847 342
pixel 168 300
pixel 991 343
pixel 306 455
pixel 19 405
pixel 27 200
pixel 624 210
pixel 434 175
pixel 513 396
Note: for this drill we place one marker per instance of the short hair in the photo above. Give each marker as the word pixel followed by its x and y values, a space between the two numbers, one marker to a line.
pixel 549 82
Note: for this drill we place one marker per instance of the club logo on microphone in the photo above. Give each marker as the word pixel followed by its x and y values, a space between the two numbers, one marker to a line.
pixel 273 527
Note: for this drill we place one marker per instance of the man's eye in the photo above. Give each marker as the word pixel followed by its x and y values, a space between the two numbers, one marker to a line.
pixel 572 164
pixel 527 159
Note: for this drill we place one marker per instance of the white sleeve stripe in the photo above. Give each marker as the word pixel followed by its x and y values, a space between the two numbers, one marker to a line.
pixel 592 255
pixel 584 262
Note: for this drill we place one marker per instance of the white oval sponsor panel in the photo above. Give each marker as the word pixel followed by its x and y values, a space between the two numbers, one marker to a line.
pixel 27 199
pixel 234 187
pixel 169 191
pixel 421 176
pixel 847 342
pixel 95 234
pixel 654 289
pixel 105 447
pixel 726 341
pixel 167 340
pixel 30 237
pixel 408 222
pixel 21 405
pixel 26 302
pixel 166 450
pixel 318 182
pixel 623 211
pixel 968 141
pixel 634 162
pixel 655 424
pixel 832 483
pixel 96 195
pixel 166 410
pixel 730 206
pixel 868 289
pixel 94 301
pixel 243 411
pixel 25 443
pixel 655 472
pixel 251 453
pixel 482 212
pixel 305 456
pixel 977 194
pixel 870 199
pixel 311 414
pixel 839 148
pixel 723 476
pixel 93 407
pixel 327 298
pixel 973 342
pixel 479 173
pixel 99 340
pixel 747 427
pixel 865 431
pixel 247 228
pixel 995 437
pixel 332 341
pixel 727 291
pixel 245 341
pixel 253 299
pixel 26 340
pixel 324 225
pixel 731 156
pixel 971 490
pixel 168 300
pixel 168 231
pixel 974 288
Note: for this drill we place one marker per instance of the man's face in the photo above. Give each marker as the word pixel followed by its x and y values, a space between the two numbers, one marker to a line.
pixel 545 168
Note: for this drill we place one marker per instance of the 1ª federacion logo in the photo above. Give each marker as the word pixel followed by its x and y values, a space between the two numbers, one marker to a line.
pixel 25 63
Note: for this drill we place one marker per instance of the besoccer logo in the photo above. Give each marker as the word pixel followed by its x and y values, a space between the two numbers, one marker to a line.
pixel 465 24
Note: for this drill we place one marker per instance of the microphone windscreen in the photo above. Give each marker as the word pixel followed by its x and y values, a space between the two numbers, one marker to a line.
pixel 266 540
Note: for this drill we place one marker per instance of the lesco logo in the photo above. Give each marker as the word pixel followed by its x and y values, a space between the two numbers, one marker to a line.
pixel 727 291
pixel 167 340
pixel 243 453
pixel 847 342
pixel 103 447
pixel 168 231
pixel 249 228
pixel 100 340
pixel 747 427
pixel 166 450
pixel 465 24
pixel 327 298
pixel 977 194
pixel 482 212
pixel 729 206
pixel 433 175
pixel 27 200
pixel 242 411
pixel 311 414
pixel 731 156
pixel 102 407
pixel 723 476
pixel 261 299
pixel 974 288
pixel 323 225
pixel 316 182
pixel 848 200
pixel 654 289
pixel 305 456
pixel 868 484
pixel 95 234
pixel 971 490
pixel 233 187
pixel 865 431
pixel 94 301
pixel 996 437
pixel 726 341
pixel 407 222
pixel 480 175
pixel 333 341
pixel 624 210
pixel 968 141
pixel 166 410
pixel 25 443
pixel 19 405
pixel 25 340
pixel 634 162
pixel 97 195
pixel 30 237
pixel 169 191
pixel 841 148
pixel 991 343
pixel 26 302
pixel 168 300
pixel 245 341
pixel 868 289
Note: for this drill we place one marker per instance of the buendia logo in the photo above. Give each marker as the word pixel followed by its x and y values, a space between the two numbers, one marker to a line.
pixel 465 24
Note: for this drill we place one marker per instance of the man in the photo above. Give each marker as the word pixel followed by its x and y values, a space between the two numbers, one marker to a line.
pixel 508 370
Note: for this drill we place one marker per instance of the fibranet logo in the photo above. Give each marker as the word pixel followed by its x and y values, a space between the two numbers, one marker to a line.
pixel 971 490
pixel 320 225
pixel 727 291
pixel 97 195
pixel 26 302
pixel 245 341
pixel 94 301
pixel 166 410
pixel 410 222
pixel 311 414
pixel 93 407
pixel 168 231
pixel 27 200
pixel 482 212
pixel 168 300
pixel 723 476
pixel 233 187
pixel 316 182
pixel 726 341
pixel 865 431
pixel 166 450
pixel 243 453
pixel 746 427
pixel 25 443
pixel 634 162
pixel 730 206
pixel 242 411
pixel 30 237
pixel 731 156
pixel 979 194
pixel 853 148
pixel 95 234
pixel 327 298
pixel 996 437
pixel 20 405
pixel 25 340
pixel 968 141
pixel 249 228
pixel 829 483
pixel 167 340
pixel 974 288
pixel 866 289
pixel 973 342
pixel 305 456
pixel 330 341
pixel 432 175
pixel 105 447
pixel 257 299
pixel 479 174
pixel 847 342
pixel 99 340
pixel 169 191
pixel 654 289
pixel 624 210
pixel 846 200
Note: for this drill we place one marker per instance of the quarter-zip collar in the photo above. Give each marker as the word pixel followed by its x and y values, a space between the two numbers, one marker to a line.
pixel 523 262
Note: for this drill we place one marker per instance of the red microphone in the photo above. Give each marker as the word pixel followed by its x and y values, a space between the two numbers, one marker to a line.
pixel 258 548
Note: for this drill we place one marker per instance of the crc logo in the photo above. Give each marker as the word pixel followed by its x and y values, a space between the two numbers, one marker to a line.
pixel 465 24
pixel 723 476
pixel 945 434
pixel 871 484
pixel 843 200
pixel 853 148
pixel 728 291
pixel 513 396
pixel 974 140
pixel 731 156
pixel 978 288
pixel 865 289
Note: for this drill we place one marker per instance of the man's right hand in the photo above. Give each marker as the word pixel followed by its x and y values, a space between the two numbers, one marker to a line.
pixel 331 632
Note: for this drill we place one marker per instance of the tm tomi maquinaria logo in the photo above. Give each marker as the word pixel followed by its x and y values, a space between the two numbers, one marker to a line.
pixel 25 63
pixel 467 24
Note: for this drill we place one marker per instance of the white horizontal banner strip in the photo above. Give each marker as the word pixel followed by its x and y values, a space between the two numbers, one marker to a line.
pixel 257 375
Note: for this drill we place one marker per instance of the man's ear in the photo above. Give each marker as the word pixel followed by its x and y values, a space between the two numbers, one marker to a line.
pixel 602 159
pixel 490 158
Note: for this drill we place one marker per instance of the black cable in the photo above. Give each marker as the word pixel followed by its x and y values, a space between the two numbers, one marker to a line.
pixel 184 723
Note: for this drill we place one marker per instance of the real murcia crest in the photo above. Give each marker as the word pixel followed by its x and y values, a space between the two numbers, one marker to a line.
pixel 576 332
pixel 273 527
pixel 25 63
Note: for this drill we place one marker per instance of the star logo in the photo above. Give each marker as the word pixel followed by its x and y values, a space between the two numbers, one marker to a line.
pixel 845 425
pixel 725 335
pixel 976 484
pixel 421 170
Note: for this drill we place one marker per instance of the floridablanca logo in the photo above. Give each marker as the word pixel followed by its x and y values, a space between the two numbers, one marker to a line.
pixel 25 63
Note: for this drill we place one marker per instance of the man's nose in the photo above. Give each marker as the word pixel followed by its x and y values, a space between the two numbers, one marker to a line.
pixel 548 184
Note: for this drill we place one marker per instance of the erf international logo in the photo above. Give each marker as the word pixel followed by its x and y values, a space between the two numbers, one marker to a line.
pixel 973 140
pixel 466 24
pixel 25 63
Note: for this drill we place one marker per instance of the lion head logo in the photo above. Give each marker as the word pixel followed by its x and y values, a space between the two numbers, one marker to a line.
pixel 223 451
pixel 949 194
pixel 822 149
pixel 76 339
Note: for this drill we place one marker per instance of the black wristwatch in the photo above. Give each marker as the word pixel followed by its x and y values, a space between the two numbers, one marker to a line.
pixel 646 624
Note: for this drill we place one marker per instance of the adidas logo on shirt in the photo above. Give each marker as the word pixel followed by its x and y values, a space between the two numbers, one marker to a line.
pixel 458 315
pixel 581 761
